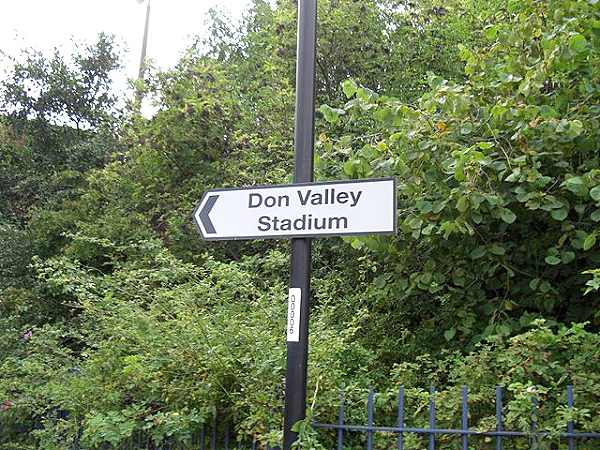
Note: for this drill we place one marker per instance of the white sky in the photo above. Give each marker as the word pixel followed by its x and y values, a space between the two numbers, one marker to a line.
pixel 44 24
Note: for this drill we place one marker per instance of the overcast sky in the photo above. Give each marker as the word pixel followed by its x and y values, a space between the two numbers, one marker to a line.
pixel 44 24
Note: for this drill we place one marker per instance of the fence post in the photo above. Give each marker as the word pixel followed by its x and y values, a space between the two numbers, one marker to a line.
pixel 370 419
pixel 465 417
pixel 401 418
pixel 202 437
pixel 570 424
pixel 226 437
pixel 534 412
pixel 213 437
pixel 341 418
pixel 499 425
pixel 431 418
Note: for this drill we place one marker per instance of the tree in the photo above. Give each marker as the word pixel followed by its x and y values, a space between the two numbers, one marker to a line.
pixel 57 118
pixel 62 91
pixel 499 182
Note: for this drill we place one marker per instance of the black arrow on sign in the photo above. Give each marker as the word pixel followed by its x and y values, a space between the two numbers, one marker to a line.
pixel 208 206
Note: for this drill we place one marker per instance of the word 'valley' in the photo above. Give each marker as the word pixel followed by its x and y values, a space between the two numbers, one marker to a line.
pixel 308 198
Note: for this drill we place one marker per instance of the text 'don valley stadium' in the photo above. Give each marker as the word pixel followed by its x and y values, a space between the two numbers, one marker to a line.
pixel 340 208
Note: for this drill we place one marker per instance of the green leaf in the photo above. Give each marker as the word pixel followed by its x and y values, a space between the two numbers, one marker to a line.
pixel 478 253
pixel 459 173
pixel 576 185
pixel 589 241
pixel 357 243
pixel 545 287
pixel 349 168
pixel 578 43
pixel 462 204
pixel 498 250
pixel 514 176
pixel 574 181
pixel 559 214
pixel 415 223
pixel 567 257
pixel 424 206
pixel 449 334
pixel 595 216
pixel 575 128
pixel 485 145
pixel 491 32
pixel 595 193
pixel 552 260
pixel 332 115
pixel 547 112
pixel 427 230
pixel 439 206
pixel 380 282
pixel 507 215
pixel 466 128
pixel 366 95
pixel 503 329
pixel 349 87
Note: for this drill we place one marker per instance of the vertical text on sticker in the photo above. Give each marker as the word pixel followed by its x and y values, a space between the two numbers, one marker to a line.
pixel 294 308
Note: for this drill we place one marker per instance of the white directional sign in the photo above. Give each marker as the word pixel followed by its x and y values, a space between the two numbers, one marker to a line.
pixel 299 210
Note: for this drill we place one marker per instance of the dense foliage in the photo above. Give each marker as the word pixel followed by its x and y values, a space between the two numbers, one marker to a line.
pixel 117 321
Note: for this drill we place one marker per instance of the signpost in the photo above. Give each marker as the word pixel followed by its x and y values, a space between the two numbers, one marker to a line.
pixel 299 211
pixel 290 211
pixel 300 261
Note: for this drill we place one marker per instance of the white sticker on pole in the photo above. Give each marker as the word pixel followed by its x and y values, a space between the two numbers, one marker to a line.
pixel 294 307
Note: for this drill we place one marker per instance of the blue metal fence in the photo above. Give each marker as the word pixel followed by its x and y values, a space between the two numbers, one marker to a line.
pixel 464 432
pixel 220 435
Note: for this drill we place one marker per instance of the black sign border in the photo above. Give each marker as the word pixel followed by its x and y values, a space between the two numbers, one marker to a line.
pixel 296 236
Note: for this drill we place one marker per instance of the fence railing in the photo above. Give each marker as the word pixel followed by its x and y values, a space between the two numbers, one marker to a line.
pixel 217 435
pixel 464 432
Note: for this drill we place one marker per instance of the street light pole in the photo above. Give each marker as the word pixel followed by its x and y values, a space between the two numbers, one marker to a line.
pixel 144 44
pixel 142 69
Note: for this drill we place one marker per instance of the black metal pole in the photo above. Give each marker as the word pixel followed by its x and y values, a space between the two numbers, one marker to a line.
pixel 297 350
